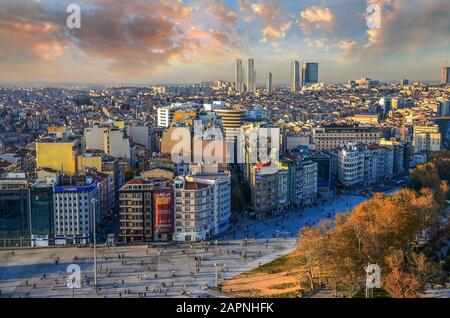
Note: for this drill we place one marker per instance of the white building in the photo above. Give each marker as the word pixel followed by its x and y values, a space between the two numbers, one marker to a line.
pixel 221 204
pixel 215 105
pixel 141 134
pixel 427 139
pixel 94 137
pixel 113 141
pixel 358 164
pixel 193 210
pixel 309 182
pixel 73 210
pixel 256 113
pixel 165 115
pixel 117 144
pixel 350 165
pixel 283 188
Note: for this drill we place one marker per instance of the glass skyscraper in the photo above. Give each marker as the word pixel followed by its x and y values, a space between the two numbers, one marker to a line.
pixel 310 73
pixel 42 217
pixel 15 217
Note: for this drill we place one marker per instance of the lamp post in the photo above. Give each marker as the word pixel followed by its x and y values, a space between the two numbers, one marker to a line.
pixel 94 203
pixel 217 275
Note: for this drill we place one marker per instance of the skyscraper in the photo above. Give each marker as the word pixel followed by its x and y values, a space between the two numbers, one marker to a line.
pixel 239 77
pixel 251 77
pixel 295 76
pixel 310 73
pixel 445 75
pixel 269 82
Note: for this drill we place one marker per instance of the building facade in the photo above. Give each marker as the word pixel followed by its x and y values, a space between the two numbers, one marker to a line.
pixel 251 77
pixel 239 74
pixel 427 139
pixel 327 138
pixel 310 73
pixel 295 76
pixel 74 210
pixel 221 204
pixel 146 210
pixel 193 210
pixel 15 212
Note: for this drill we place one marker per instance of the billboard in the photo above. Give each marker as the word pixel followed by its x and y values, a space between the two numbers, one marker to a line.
pixel 164 212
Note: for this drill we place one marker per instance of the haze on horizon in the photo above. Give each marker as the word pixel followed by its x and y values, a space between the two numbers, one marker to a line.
pixel 175 41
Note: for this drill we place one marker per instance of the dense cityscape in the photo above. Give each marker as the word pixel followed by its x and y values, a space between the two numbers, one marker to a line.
pixel 226 188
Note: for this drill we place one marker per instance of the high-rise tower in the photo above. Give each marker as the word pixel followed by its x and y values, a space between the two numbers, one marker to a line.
pixel 269 82
pixel 295 76
pixel 445 75
pixel 239 77
pixel 310 73
pixel 251 77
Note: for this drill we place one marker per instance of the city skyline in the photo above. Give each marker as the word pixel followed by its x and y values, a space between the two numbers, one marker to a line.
pixel 149 41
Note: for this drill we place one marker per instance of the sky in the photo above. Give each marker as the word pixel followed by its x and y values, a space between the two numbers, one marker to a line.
pixel 189 41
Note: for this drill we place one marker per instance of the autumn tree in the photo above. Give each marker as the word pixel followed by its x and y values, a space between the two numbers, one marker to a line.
pixel 398 282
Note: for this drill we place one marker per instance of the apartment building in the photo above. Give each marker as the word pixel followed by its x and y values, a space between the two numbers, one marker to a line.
pixel 194 206
pixel 221 205
pixel 427 139
pixel 146 210
pixel 74 209
pixel 364 165
pixel 349 165
pixel 265 189
pixel 331 137
pixel 309 181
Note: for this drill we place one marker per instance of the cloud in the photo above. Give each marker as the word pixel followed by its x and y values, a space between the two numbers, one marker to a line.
pixel 316 19
pixel 279 32
pixel 220 11
pixel 406 27
pixel 271 15
pixel 125 39
pixel 321 42
pixel 245 7
pixel 348 48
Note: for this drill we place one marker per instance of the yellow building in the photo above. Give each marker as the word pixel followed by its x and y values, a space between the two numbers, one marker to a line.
pixel 367 119
pixel 59 156
pixel 188 116
pixel 84 162
pixel 119 124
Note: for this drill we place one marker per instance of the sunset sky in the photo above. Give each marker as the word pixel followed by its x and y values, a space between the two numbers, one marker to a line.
pixel 170 41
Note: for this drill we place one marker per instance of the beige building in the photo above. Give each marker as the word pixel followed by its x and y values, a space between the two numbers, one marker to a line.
pixel 138 215
pixel 427 139
pixel 264 187
pixel 232 120
pixel 158 173
pixel 193 210
pixel 367 119
pixel 327 138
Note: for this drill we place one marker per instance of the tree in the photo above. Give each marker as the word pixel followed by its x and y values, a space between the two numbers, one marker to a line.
pixel 311 252
pixel 399 283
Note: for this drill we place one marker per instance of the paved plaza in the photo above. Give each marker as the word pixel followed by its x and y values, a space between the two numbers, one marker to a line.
pixel 183 270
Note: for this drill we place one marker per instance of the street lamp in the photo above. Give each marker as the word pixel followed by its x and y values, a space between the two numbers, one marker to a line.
pixel 94 203
pixel 217 275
